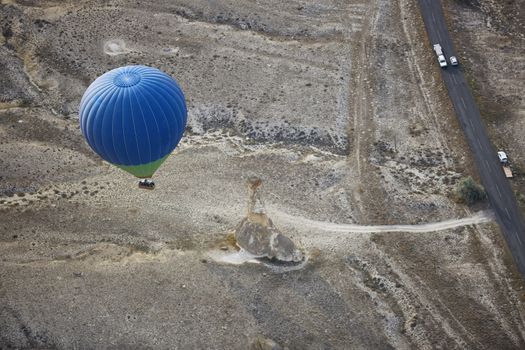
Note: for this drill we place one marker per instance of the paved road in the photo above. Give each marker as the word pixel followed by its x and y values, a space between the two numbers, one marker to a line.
pixel 499 192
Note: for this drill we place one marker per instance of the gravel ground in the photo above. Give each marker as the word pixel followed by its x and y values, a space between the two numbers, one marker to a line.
pixel 336 105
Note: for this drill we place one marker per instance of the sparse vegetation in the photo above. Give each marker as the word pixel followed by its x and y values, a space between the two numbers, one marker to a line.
pixel 520 197
pixel 372 140
pixel 469 192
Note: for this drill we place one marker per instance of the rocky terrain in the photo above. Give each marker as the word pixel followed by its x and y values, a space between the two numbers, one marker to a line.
pixel 336 105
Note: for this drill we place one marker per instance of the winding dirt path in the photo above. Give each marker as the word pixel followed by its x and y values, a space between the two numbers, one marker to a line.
pixel 301 222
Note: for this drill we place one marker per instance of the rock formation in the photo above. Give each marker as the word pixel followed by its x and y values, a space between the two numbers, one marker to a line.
pixel 257 235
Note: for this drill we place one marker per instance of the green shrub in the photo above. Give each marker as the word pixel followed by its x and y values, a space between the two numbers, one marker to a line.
pixel 469 192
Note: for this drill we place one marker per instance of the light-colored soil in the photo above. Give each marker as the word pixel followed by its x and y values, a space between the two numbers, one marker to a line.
pixel 336 105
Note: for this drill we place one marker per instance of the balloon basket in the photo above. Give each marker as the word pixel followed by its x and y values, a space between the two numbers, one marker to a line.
pixel 147 184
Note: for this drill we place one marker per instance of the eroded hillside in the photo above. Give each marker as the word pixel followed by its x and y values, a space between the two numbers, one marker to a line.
pixel 338 106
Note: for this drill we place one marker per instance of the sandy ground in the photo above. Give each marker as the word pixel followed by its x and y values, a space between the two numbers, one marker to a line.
pixel 336 105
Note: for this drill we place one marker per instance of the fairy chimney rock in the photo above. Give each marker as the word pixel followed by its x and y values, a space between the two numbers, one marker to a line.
pixel 256 233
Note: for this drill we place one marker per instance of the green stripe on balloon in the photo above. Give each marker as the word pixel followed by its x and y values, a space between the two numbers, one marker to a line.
pixel 143 170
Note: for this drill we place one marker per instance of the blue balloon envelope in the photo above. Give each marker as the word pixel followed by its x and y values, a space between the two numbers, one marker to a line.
pixel 133 117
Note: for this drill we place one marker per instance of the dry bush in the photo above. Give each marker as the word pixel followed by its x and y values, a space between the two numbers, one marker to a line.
pixel 469 192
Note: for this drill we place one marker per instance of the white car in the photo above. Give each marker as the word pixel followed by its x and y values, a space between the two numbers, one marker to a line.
pixel 453 60
pixel 502 157
pixel 442 61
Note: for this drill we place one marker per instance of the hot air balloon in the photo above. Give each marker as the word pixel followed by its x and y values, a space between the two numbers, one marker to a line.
pixel 134 117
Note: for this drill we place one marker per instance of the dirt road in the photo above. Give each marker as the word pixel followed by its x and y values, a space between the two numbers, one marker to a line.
pixel 307 224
